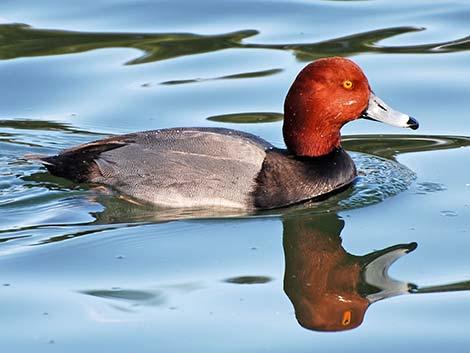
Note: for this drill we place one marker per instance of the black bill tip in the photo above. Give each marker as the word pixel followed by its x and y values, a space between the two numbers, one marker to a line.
pixel 413 123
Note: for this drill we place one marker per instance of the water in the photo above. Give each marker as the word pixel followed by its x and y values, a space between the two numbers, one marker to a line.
pixel 81 271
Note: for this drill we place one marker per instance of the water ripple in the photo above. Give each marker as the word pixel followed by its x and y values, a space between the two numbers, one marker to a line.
pixel 21 40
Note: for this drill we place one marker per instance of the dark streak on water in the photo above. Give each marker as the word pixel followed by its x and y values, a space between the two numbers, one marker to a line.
pixel 164 46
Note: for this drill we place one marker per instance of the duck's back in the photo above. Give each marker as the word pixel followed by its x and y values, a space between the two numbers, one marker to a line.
pixel 171 167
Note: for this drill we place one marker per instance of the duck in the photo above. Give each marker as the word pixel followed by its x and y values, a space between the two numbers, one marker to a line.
pixel 224 168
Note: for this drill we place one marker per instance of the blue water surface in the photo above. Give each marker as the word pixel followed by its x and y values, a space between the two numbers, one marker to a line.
pixel 86 272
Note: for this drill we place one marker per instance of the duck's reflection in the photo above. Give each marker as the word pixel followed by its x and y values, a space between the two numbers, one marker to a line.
pixel 330 288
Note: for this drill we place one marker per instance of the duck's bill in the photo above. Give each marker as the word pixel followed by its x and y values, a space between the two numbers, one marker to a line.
pixel 378 110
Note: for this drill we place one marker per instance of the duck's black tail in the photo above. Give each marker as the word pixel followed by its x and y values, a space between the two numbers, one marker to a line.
pixel 78 163
pixel 64 166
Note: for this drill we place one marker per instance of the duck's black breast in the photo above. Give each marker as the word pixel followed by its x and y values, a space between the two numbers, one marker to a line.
pixel 285 179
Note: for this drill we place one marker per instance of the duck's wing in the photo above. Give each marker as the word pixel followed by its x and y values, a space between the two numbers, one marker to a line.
pixel 171 167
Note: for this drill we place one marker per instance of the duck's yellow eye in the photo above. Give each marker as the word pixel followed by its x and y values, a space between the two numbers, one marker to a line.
pixel 347 84
pixel 346 318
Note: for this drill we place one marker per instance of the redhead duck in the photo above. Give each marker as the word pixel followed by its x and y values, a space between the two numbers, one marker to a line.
pixel 217 167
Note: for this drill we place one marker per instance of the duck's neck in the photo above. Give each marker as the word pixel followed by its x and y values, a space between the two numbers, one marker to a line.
pixel 311 144
pixel 307 133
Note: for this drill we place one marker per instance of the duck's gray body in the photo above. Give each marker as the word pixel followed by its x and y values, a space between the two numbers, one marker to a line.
pixel 209 167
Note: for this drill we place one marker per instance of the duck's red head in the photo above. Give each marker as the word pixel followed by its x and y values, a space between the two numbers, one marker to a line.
pixel 327 94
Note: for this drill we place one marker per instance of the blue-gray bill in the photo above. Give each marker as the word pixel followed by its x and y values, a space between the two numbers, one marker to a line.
pixel 378 110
